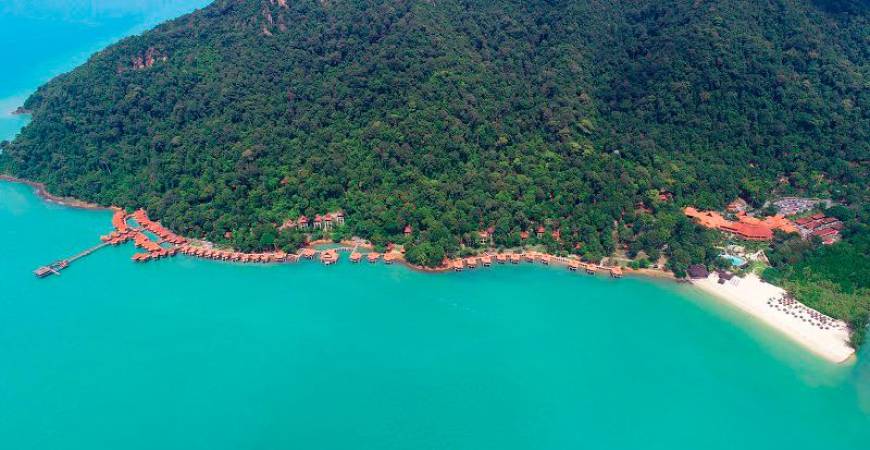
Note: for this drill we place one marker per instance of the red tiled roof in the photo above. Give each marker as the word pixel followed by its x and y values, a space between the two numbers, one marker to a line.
pixel 748 231
pixel 825 232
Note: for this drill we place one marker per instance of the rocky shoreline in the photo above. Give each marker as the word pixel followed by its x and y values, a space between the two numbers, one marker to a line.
pixel 43 193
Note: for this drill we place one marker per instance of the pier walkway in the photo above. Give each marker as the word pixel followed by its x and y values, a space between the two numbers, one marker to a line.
pixel 55 267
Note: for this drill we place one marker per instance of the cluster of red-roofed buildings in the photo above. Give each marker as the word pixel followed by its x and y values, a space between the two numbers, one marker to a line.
pixel 745 227
pixel 755 229
pixel 826 228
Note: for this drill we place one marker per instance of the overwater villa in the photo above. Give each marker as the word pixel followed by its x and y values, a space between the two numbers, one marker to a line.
pixel 391 257
pixel 471 262
pixel 329 257
pixel 355 257
pixel 373 257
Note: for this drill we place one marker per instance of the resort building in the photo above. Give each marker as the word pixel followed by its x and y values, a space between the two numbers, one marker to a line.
pixel 826 228
pixel 698 271
pixel 738 205
pixel 750 232
pixel 746 226
pixel 484 237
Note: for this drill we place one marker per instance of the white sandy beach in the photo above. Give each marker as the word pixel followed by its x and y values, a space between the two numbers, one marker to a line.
pixel 751 294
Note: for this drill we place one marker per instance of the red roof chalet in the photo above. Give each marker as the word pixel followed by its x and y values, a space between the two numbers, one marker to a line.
pixel 407 230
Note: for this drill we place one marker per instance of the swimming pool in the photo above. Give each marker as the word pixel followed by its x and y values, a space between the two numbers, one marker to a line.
pixel 736 261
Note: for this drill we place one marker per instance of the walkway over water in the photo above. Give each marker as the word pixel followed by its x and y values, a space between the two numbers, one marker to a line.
pixel 55 267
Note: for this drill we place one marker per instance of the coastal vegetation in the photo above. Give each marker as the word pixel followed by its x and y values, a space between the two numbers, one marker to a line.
pixel 834 279
pixel 595 122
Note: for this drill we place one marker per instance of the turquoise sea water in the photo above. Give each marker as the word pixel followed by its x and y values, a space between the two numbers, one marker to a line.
pixel 189 354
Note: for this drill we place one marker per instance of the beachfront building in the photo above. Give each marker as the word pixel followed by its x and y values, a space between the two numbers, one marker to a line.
pixel 698 271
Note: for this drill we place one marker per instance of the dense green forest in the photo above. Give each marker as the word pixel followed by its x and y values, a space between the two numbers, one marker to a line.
pixel 454 116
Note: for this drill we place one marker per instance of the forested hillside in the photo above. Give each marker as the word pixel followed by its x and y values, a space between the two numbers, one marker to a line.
pixel 453 116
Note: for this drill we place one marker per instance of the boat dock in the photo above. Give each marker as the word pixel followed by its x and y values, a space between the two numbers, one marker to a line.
pixel 55 267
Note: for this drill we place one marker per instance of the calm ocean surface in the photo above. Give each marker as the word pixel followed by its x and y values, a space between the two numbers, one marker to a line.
pixel 189 354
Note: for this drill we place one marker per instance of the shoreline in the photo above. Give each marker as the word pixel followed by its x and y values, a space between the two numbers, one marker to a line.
pixel 555 260
pixel 751 295
pixel 42 192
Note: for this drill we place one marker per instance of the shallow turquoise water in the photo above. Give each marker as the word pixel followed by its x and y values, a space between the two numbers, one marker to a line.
pixel 190 354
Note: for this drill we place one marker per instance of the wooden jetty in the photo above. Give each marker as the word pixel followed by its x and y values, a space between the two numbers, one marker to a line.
pixel 55 267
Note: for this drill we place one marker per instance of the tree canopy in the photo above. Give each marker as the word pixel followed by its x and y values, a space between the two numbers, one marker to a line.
pixel 454 116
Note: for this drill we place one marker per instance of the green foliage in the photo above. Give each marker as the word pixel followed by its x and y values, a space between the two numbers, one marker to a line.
pixel 459 115
pixel 835 279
